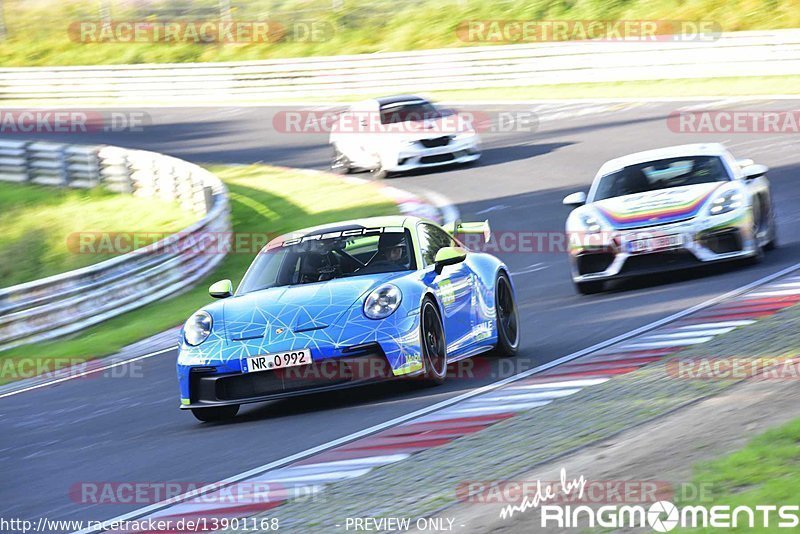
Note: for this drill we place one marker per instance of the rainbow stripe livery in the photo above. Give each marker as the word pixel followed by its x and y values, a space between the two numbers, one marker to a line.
pixel 648 209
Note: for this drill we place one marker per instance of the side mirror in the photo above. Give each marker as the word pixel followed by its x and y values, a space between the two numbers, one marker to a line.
pixel 221 290
pixel 744 162
pixel 575 199
pixel 752 172
pixel 449 256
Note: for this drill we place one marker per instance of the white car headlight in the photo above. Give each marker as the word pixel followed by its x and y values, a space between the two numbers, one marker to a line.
pixel 726 202
pixel 382 302
pixel 197 328
pixel 590 223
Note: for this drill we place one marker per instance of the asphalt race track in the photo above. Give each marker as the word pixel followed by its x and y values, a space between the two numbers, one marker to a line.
pixel 129 429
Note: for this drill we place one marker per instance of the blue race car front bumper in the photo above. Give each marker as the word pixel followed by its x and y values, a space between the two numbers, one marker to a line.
pixel 364 351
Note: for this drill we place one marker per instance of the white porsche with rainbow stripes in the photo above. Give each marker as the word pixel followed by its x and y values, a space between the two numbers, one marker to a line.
pixel 668 208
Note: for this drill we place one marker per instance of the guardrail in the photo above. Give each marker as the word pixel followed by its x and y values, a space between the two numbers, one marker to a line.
pixel 734 54
pixel 65 303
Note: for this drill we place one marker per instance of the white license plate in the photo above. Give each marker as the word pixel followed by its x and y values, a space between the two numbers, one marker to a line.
pixel 656 243
pixel 279 360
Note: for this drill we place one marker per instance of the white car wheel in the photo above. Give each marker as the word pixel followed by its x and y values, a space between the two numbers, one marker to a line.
pixel 340 164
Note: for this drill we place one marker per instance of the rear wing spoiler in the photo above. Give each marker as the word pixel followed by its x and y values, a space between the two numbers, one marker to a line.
pixel 459 227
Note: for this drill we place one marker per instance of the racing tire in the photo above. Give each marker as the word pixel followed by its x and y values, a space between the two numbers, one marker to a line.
pixel 215 414
pixel 433 343
pixel 589 288
pixel 507 318
pixel 379 173
pixel 758 257
pixel 340 164
pixel 773 235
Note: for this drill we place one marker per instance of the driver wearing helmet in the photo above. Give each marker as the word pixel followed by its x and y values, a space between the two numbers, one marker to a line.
pixel 393 249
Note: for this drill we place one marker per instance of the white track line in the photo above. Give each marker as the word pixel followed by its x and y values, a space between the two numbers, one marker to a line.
pixel 530 269
pixel 436 407
pixel 673 334
pixel 668 343
pixel 369 460
pixel 722 324
pixel 89 372
pixel 581 383
pixel 783 293
pixel 500 408
pixel 523 396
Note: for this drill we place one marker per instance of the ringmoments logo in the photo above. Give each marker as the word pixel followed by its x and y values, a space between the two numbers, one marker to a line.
pixel 660 516
pixel 664 516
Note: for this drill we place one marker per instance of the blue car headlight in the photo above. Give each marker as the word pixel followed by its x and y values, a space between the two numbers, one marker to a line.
pixel 197 328
pixel 726 202
pixel 382 302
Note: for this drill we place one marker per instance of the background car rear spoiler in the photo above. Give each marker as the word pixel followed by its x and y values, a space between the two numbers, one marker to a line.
pixel 459 227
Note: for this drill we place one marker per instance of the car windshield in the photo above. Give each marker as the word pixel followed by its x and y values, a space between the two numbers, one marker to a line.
pixel 661 174
pixel 339 253
pixel 411 111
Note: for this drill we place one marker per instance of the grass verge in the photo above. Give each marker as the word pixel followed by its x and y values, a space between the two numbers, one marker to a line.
pixel 765 472
pixel 263 200
pixel 38 222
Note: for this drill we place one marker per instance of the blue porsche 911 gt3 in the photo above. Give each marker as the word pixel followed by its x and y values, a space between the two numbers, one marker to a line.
pixel 346 304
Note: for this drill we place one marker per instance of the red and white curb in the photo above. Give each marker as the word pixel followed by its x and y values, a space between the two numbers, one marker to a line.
pixel 472 413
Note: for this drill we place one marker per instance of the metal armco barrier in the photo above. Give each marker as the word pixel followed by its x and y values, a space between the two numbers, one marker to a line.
pixel 765 53
pixel 65 303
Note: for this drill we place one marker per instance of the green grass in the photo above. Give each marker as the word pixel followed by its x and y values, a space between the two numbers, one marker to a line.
pixel 765 472
pixel 38 224
pixel 263 200
pixel 38 29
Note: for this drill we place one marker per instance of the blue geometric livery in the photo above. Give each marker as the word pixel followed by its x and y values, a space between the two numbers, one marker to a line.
pixel 346 304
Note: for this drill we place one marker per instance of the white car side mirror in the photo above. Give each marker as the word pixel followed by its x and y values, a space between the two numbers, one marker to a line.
pixel 744 162
pixel 752 172
pixel 575 199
